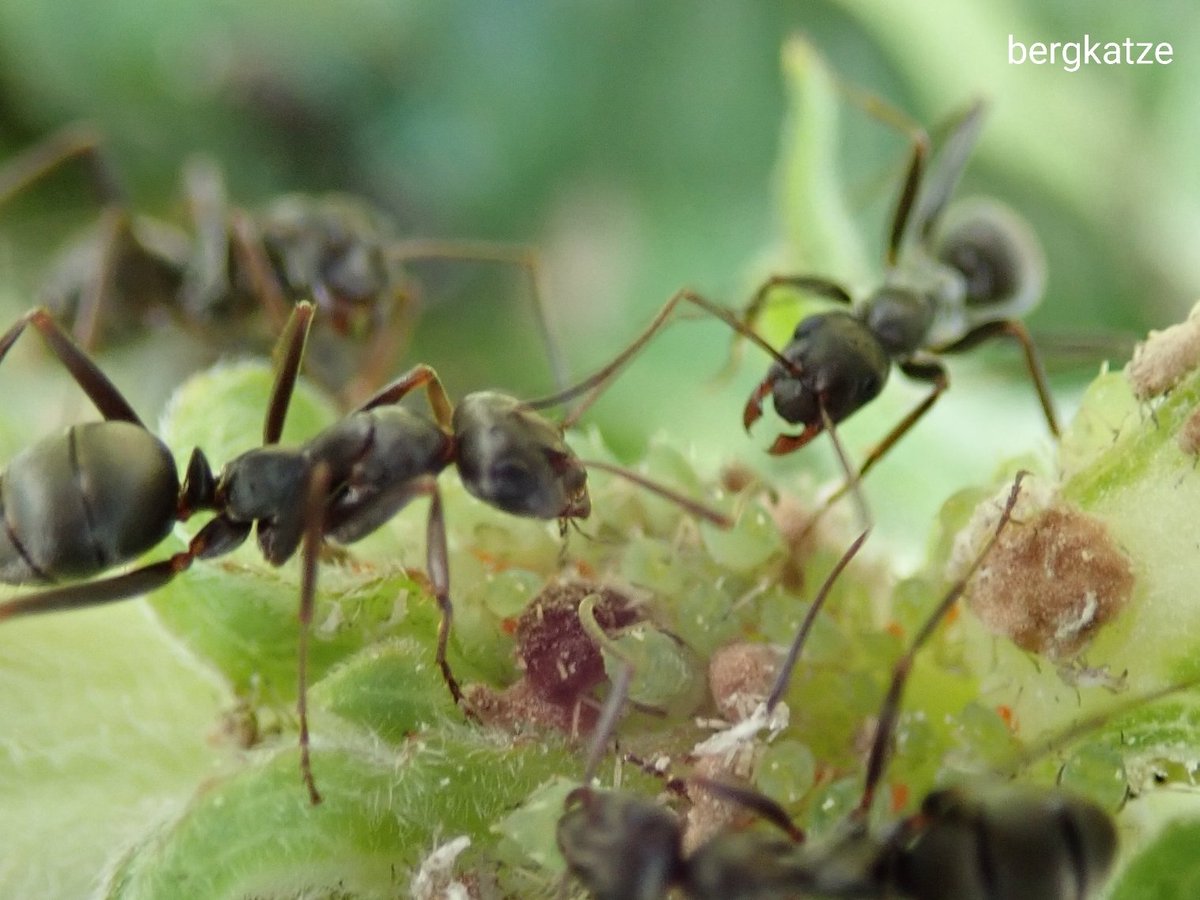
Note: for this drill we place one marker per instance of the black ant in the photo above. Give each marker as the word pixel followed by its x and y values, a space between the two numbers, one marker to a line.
pixel 336 250
pixel 103 493
pixel 956 276
pixel 994 843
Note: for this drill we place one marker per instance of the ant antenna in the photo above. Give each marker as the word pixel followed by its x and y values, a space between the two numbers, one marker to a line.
pixel 522 256
pixel 789 663
pixel 810 617
pixel 853 480
pixel 609 713
pixel 890 712
pixel 697 509
pixel 595 384
pixel 748 798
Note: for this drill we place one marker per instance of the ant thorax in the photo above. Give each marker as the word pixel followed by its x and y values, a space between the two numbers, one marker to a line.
pixel 942 290
pixel 983 264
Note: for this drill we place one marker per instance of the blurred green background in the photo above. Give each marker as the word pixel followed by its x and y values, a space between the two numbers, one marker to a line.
pixel 637 145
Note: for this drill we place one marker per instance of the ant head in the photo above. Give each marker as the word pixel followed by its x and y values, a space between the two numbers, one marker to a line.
pixel 516 460
pixel 835 362
pixel 996 253
pixel 619 844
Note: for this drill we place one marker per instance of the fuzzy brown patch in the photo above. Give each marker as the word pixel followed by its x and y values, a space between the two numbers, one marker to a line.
pixel 709 814
pixel 519 709
pixel 1165 358
pixel 740 677
pixel 1051 580
pixel 562 663
pixel 1188 435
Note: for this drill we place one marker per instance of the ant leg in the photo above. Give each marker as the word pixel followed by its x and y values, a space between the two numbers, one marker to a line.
pixel 351 521
pixel 524 257
pixel 890 711
pixel 1011 328
pixel 102 392
pixel 963 131
pixel 115 239
pixel 385 347
pixel 903 218
pixel 220 232
pixel 908 198
pixel 289 354
pixel 420 375
pixel 218 537
pixel 348 524
pixel 813 284
pixel 78 141
pixel 438 566
pixel 921 205
pixel 595 384
pixel 314 517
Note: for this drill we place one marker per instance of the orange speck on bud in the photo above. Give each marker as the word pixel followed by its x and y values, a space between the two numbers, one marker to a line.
pixel 493 563
pixel 899 797
pixel 1010 718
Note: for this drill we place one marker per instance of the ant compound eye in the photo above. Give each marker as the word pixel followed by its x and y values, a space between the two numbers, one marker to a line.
pixel 997 255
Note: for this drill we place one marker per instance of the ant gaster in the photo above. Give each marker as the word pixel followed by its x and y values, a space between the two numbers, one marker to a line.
pixel 103 493
pixel 1001 842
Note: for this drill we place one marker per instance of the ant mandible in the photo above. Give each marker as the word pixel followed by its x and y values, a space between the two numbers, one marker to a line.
pixel 1040 844
pixel 103 493
pixel 335 249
